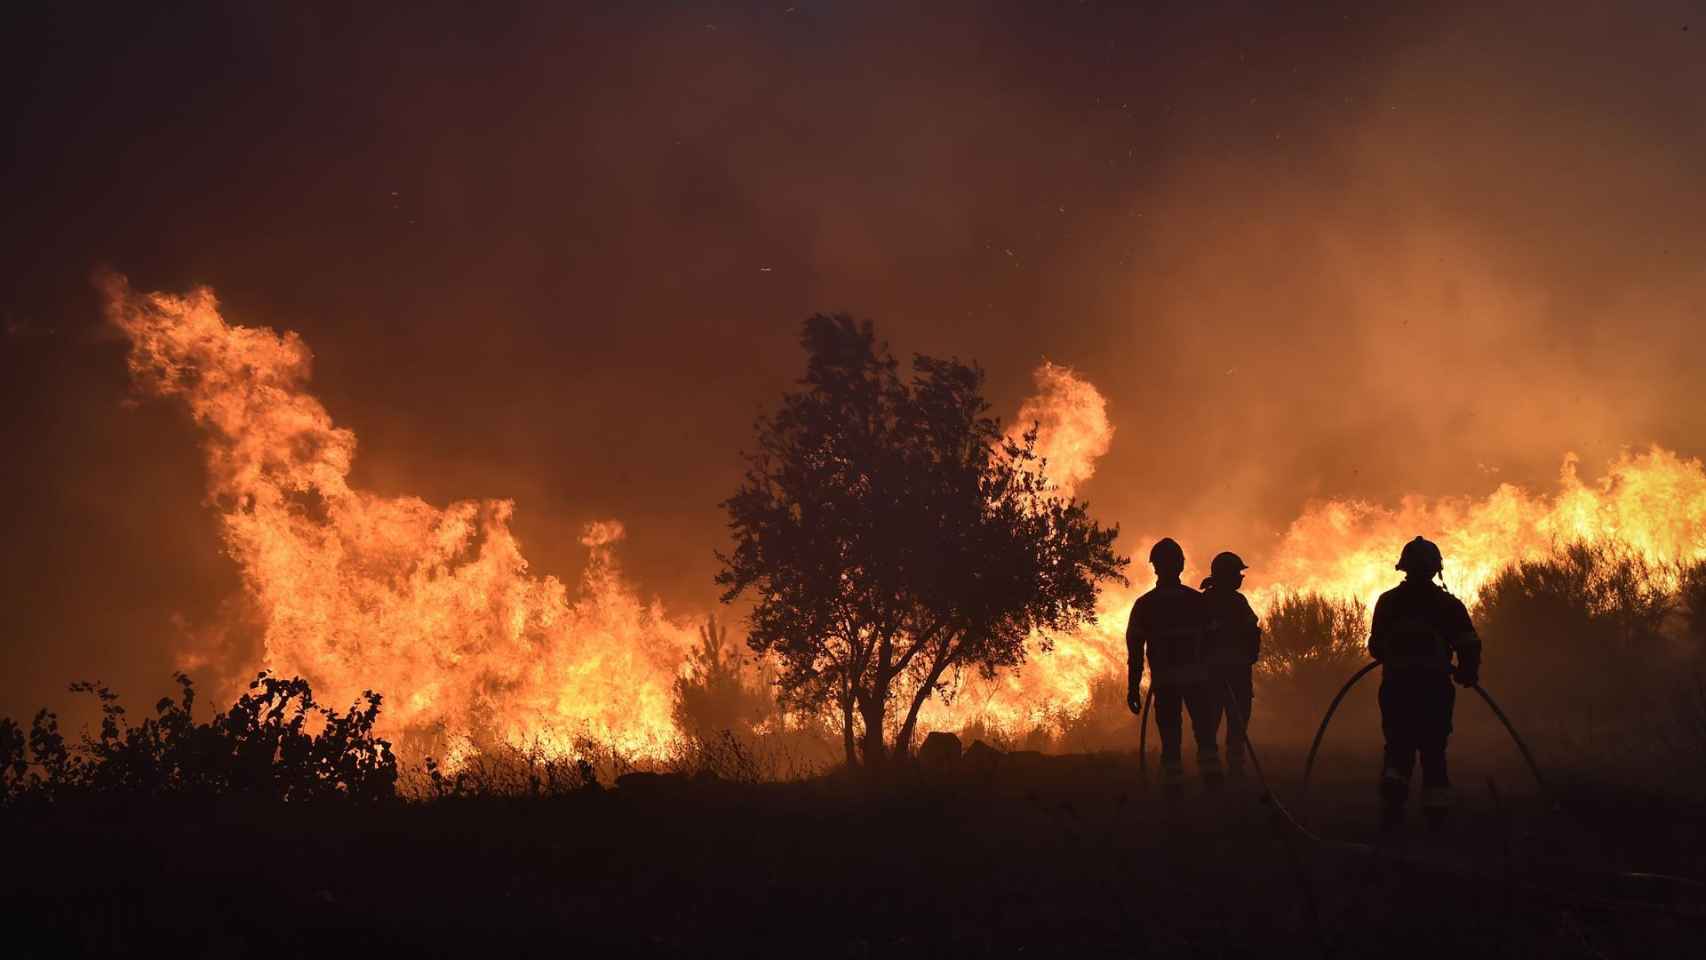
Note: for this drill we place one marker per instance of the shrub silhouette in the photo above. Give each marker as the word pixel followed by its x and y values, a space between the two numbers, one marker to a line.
pixel 275 741
pixel 1104 722
pixel 511 770
pixel 1599 651
pixel 1310 645
pixel 1691 601
pixel 718 694
pixel 1584 622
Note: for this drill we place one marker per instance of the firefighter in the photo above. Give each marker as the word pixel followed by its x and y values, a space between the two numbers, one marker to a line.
pixel 1168 626
pixel 1418 628
pixel 1234 644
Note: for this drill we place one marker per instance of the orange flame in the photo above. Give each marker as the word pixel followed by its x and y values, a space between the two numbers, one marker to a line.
pixel 1653 503
pixel 432 606
pixel 1071 419
pixel 436 608
pixel 1073 432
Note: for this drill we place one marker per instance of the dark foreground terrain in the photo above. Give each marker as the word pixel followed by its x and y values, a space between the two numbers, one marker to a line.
pixel 1040 856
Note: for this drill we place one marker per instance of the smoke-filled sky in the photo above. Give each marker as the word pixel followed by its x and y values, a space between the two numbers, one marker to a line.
pixel 560 254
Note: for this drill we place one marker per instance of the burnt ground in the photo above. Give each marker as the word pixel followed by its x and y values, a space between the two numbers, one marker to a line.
pixel 1041 856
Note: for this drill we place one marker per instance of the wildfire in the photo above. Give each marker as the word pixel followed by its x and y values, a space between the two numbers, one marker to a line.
pixel 434 607
pixel 1073 432
pixel 1071 420
pixel 1652 503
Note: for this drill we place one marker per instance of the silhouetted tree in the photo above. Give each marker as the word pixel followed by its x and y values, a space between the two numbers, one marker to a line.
pixel 891 535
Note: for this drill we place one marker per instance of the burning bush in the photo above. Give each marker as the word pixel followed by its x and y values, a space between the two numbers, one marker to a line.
pixel 275 742
pixel 719 694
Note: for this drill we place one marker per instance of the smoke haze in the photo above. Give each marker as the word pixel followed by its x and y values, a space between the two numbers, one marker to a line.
pixel 560 258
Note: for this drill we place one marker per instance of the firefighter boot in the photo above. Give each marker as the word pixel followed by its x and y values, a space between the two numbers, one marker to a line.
pixel 1394 794
pixel 1436 805
pixel 1235 761
pixel 1172 777
pixel 1208 764
pixel 1235 768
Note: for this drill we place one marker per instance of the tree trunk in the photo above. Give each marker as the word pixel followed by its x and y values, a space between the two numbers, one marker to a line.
pixel 847 730
pixel 871 709
pixel 903 742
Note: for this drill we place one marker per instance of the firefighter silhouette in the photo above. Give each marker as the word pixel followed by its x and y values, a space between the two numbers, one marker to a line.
pixel 1169 627
pixel 1418 628
pixel 1234 644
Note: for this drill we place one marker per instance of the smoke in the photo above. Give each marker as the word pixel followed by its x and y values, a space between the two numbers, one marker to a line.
pixel 1334 254
pixel 1480 264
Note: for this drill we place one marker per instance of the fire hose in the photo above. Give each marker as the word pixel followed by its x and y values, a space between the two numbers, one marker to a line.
pixel 1143 734
pixel 1285 815
pixel 1321 731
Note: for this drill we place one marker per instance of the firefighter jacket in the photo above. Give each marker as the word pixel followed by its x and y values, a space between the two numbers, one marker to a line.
pixel 1234 634
pixel 1169 627
pixel 1419 626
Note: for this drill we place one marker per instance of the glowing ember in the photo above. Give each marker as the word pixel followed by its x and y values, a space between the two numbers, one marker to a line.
pixel 433 607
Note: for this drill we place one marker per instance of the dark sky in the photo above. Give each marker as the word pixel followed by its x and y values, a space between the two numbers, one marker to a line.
pixel 560 254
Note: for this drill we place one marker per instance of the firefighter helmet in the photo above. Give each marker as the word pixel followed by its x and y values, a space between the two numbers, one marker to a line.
pixel 1227 564
pixel 1420 556
pixel 1167 555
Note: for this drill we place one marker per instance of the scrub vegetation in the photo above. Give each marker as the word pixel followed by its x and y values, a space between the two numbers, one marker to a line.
pixel 296 827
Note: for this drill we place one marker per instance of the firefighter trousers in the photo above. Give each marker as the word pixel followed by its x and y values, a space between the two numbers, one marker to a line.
pixel 1200 700
pixel 1415 716
pixel 1240 693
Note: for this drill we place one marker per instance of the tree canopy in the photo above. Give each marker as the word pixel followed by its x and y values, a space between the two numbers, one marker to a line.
pixel 891 535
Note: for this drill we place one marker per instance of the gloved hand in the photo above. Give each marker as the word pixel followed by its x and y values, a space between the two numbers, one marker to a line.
pixel 1466 676
pixel 1134 702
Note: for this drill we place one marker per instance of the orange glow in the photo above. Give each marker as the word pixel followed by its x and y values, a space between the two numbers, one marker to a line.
pixel 1073 432
pixel 1071 419
pixel 1654 503
pixel 433 607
